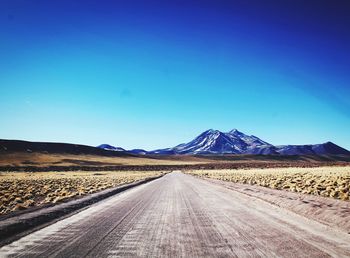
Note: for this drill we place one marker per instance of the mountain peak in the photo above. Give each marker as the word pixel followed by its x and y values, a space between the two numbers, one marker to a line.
pixel 235 132
pixel 211 131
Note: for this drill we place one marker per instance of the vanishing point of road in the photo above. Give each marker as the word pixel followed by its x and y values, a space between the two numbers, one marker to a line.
pixel 182 216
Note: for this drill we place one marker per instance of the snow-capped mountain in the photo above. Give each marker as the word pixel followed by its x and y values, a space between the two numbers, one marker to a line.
pixel 216 142
pixel 236 142
pixel 110 147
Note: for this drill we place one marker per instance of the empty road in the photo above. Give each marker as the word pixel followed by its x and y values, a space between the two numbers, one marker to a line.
pixel 182 216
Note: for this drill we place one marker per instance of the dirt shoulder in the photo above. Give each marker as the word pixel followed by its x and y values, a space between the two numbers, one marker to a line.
pixel 327 211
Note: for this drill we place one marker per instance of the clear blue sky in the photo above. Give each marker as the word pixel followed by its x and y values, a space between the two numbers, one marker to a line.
pixel 152 74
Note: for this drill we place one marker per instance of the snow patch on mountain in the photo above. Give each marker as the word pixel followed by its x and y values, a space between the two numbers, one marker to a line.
pixel 110 147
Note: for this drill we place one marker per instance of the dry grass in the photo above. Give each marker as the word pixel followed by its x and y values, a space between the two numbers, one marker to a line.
pixel 19 191
pixel 39 159
pixel 324 181
pixel 44 160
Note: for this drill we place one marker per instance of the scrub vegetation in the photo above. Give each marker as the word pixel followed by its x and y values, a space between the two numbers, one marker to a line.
pixel 323 181
pixel 19 191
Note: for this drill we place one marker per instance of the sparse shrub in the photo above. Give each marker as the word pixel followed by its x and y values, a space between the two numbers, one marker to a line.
pixel 323 181
pixel 19 191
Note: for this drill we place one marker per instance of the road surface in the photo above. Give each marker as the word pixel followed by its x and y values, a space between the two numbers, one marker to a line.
pixel 182 216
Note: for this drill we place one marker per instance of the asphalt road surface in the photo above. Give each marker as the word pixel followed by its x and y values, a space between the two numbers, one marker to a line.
pixel 182 216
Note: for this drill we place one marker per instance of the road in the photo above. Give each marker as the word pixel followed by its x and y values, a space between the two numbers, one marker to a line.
pixel 182 216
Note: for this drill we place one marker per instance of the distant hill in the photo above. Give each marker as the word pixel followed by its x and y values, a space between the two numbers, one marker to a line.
pixel 138 151
pixel 8 146
pixel 110 147
pixel 327 148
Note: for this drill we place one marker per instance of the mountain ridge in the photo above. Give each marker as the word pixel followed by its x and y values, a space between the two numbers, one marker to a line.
pixel 216 142
pixel 209 142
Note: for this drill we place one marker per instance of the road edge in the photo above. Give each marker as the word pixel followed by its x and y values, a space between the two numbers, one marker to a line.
pixel 299 197
pixel 16 227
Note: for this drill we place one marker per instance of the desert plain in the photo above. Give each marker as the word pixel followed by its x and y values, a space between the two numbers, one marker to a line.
pixel 195 206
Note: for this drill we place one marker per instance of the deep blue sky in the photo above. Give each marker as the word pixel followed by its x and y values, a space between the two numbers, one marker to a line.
pixel 152 74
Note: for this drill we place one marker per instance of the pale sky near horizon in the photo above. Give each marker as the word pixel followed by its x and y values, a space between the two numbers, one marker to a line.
pixel 153 74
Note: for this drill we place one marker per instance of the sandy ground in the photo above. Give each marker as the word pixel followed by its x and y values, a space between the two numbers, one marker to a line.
pixel 182 216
